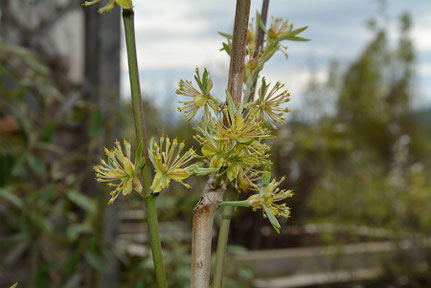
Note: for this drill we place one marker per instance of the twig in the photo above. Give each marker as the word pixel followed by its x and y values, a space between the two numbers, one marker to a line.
pixel 212 196
pixel 138 113
pixel 259 43
pixel 236 68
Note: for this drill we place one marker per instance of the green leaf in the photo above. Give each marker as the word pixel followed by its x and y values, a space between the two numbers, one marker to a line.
pixel 261 24
pixel 36 164
pixel 71 262
pixel 95 122
pixel 198 80
pixel 14 285
pixel 139 165
pixel 47 131
pixel 207 136
pixel 228 36
pixel 18 167
pixel 230 106
pixel 258 20
pixel 12 239
pixel 263 89
pixel 272 219
pixel 203 171
pixel 139 150
pixel 94 260
pixel 42 222
pixel 74 231
pixel 11 197
pixel 266 175
pixel 25 225
pixel 150 152
pixel 227 48
pixel 294 38
pixel 81 200
pixel 205 81
pixel 297 31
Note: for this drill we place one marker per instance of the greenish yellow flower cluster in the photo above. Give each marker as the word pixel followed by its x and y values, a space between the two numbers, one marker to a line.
pixel 111 4
pixel 201 97
pixel 231 135
pixel 119 171
pixel 169 164
pixel 231 141
pixel 269 105
pixel 268 200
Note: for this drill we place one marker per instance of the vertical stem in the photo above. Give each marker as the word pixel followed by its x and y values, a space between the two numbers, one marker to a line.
pixel 260 33
pixel 259 43
pixel 211 197
pixel 236 68
pixel 236 74
pixel 222 246
pixel 203 219
pixel 138 113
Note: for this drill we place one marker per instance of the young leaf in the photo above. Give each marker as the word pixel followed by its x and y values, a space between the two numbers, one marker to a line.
pixel 205 81
pixel 266 175
pixel 263 89
pixel 94 260
pixel 200 171
pixel 42 222
pixel 138 155
pixel 261 24
pixel 12 198
pixel 228 36
pixel 81 200
pixel 198 80
pixel 227 48
pixel 150 152
pixel 73 231
pixel 297 31
pixel 272 219
pixel 294 38
pixel 230 106
pixel 94 123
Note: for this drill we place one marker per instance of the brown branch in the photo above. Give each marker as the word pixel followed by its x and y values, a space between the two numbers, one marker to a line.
pixel 259 43
pixel 212 196
pixel 260 33
pixel 236 68
pixel 203 220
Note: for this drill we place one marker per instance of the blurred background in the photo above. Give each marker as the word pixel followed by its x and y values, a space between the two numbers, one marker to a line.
pixel 355 150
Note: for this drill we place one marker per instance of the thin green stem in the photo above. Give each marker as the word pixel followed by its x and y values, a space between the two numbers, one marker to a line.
pixel 138 113
pixel 223 237
pixel 222 246
pixel 244 203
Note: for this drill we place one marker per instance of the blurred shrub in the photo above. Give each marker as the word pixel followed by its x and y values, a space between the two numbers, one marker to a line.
pixel 47 223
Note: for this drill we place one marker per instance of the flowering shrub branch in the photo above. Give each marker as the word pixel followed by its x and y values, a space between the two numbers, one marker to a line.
pixel 231 135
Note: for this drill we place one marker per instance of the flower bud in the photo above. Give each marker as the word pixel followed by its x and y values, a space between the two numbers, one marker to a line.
pixel 251 64
pixel 200 100
pixel 250 35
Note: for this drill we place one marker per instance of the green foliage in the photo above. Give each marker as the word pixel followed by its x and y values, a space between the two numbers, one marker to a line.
pixel 42 205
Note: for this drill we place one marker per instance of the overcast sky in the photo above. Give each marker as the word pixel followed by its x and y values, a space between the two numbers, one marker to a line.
pixel 175 36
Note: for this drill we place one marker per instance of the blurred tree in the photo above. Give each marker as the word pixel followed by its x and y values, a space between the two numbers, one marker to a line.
pixel 359 162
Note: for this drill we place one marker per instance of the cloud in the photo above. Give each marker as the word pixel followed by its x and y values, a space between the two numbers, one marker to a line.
pixel 175 36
